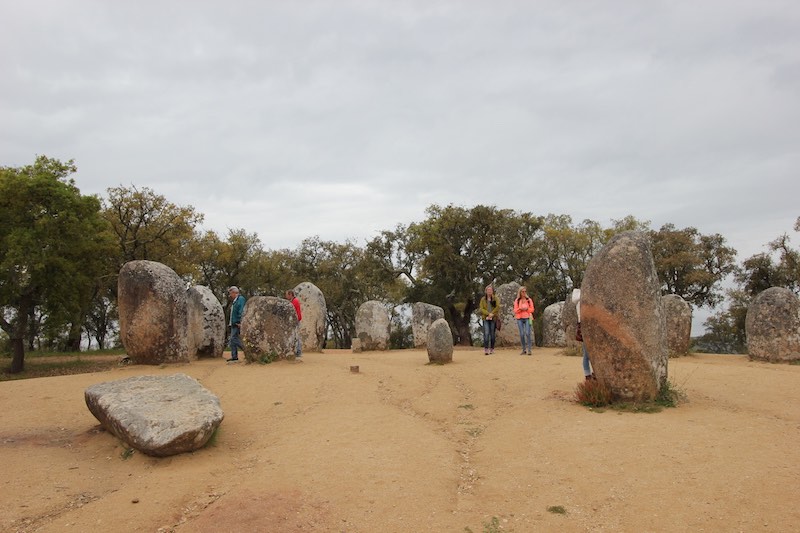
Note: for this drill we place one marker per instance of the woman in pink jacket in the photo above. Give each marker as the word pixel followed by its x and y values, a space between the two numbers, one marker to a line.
pixel 523 312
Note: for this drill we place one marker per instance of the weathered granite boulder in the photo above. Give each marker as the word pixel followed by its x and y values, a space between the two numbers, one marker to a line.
pixel 553 326
pixel 772 326
pixel 315 314
pixel 372 326
pixel 206 323
pixel 152 304
pixel 268 329
pixel 422 316
pixel 440 342
pixel 569 324
pixel 678 316
pixel 508 334
pixel 622 320
pixel 157 415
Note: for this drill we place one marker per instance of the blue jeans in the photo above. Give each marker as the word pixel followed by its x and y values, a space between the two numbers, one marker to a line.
pixel 489 334
pixel 587 367
pixel 298 346
pixel 236 342
pixel 524 325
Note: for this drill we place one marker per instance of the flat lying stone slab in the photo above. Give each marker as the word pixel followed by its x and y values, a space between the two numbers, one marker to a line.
pixel 157 415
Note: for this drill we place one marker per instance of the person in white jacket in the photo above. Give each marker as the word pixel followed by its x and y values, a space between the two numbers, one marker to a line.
pixel 587 366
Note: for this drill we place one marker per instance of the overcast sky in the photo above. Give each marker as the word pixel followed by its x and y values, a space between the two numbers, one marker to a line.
pixel 344 118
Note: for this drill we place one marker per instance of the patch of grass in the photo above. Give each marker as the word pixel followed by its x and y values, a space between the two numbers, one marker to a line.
pixel 795 362
pixel 556 509
pixel 592 393
pixel 475 432
pixel 669 395
pixel 493 526
pixel 38 365
pixel 466 406
pixel 127 453
pixel 572 352
pixel 268 358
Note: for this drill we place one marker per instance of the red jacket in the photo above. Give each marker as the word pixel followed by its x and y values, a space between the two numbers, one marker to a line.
pixel 296 304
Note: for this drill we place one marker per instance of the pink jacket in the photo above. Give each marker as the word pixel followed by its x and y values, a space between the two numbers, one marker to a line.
pixel 523 308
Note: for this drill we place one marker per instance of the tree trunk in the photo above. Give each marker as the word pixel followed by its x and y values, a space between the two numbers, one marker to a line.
pixel 73 343
pixel 18 355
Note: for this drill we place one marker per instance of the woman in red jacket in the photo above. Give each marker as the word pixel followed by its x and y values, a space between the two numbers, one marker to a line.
pixel 523 312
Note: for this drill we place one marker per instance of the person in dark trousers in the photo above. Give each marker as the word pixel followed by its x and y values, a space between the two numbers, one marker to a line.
pixel 298 349
pixel 235 322
pixel 490 313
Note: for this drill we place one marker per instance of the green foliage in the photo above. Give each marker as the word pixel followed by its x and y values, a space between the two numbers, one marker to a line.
pixel 780 267
pixel 267 358
pixel 725 331
pixel 692 265
pixel 53 246
pixel 127 453
pixel 147 226
pixel 556 509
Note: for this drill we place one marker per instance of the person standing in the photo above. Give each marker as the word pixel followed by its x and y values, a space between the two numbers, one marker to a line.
pixel 587 366
pixel 523 312
pixel 298 348
pixel 235 322
pixel 490 313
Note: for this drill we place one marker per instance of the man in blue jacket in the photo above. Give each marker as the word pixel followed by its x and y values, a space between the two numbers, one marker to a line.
pixel 237 309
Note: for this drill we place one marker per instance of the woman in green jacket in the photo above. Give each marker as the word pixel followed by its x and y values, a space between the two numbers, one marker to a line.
pixel 490 313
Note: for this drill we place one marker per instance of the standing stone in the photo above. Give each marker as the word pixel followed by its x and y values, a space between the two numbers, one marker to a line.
pixel 569 320
pixel 622 320
pixel 553 326
pixel 152 304
pixel 422 317
pixel 372 326
pixel 206 323
pixel 315 314
pixel 157 415
pixel 678 316
pixel 509 333
pixel 440 342
pixel 268 329
pixel 772 326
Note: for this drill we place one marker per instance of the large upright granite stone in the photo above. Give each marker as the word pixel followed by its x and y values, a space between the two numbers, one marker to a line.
pixel 372 326
pixel 315 316
pixel 569 319
pixel 772 326
pixel 152 304
pixel 553 326
pixel 440 342
pixel 423 315
pixel 157 415
pixel 509 333
pixel 622 319
pixel 206 323
pixel 678 316
pixel 268 328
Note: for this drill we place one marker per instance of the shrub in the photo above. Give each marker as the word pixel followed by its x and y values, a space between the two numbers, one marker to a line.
pixel 593 393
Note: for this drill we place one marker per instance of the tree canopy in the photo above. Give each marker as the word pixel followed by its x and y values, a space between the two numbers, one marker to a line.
pixel 60 253
pixel 53 245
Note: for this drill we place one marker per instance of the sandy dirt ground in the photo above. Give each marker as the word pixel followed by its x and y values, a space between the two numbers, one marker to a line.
pixel 482 444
